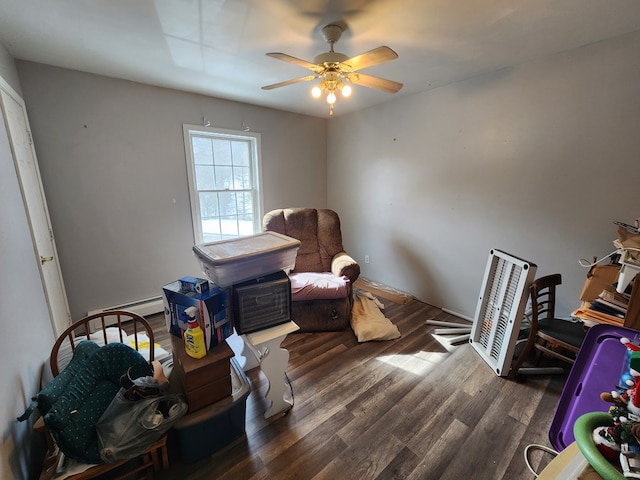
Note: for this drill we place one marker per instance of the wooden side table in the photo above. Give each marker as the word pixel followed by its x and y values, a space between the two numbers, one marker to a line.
pixel 203 381
pixel 265 344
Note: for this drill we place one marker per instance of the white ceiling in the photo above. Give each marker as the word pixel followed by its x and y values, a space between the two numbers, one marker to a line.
pixel 217 47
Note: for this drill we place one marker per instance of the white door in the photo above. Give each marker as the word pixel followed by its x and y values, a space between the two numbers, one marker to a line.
pixel 24 157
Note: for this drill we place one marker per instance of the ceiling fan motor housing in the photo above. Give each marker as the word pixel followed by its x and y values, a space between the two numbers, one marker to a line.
pixel 332 33
pixel 330 57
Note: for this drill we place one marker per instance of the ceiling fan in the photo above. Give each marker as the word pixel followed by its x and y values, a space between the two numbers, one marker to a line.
pixel 337 72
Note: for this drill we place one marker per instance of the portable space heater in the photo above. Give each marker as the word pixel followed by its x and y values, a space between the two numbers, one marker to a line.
pixel 500 309
pixel 262 302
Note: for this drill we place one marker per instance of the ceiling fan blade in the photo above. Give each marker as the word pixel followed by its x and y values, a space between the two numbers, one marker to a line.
pixel 296 61
pixel 370 58
pixel 289 82
pixel 388 86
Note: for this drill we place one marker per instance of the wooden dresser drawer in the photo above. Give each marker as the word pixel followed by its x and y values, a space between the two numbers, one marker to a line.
pixel 205 380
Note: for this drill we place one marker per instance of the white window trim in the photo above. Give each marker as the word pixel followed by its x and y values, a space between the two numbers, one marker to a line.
pixel 256 160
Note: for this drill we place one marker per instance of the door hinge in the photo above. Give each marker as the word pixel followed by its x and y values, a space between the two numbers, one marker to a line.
pixel 30 138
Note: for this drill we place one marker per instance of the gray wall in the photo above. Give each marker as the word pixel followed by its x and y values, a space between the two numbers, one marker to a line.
pixel 24 318
pixel 113 166
pixel 536 160
pixel 8 70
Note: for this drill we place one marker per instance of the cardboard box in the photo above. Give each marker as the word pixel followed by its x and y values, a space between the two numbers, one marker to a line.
pixel 599 277
pixel 213 312
pixel 194 285
pixel 205 380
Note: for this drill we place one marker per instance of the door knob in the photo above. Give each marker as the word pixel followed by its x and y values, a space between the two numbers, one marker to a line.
pixel 45 259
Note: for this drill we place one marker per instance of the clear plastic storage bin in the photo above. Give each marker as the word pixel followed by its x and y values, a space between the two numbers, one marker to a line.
pixel 233 261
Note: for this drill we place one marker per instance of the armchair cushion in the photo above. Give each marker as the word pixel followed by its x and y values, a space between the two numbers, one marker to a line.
pixel 318 286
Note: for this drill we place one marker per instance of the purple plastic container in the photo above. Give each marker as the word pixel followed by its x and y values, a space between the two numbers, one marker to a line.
pixel 600 363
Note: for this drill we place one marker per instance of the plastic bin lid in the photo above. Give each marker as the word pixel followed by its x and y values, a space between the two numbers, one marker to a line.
pixel 243 247
pixel 597 369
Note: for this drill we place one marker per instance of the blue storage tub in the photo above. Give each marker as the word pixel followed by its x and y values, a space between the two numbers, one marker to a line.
pixel 598 368
pixel 207 430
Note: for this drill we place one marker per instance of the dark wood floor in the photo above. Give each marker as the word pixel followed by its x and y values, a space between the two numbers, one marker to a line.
pixel 403 409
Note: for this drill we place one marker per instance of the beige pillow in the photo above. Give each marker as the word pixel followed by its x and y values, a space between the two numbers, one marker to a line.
pixel 368 322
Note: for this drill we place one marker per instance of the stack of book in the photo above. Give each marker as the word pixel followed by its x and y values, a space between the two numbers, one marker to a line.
pixel 612 303
pixel 608 307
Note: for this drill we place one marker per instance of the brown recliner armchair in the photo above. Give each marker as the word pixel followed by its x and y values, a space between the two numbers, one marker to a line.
pixel 321 251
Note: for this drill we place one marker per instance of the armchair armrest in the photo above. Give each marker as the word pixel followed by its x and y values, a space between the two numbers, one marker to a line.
pixel 343 264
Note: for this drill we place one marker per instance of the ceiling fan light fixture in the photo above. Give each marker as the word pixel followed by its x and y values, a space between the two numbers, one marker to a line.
pixel 336 71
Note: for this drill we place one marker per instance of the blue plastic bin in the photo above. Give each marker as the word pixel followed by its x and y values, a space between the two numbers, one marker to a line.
pixel 211 428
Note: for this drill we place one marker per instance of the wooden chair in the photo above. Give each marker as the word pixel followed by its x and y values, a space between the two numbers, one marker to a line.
pixel 94 327
pixel 558 338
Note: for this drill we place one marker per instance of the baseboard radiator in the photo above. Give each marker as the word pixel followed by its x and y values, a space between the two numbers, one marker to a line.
pixel 145 307
pixel 500 309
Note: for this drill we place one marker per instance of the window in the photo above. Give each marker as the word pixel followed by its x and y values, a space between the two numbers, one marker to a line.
pixel 223 168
